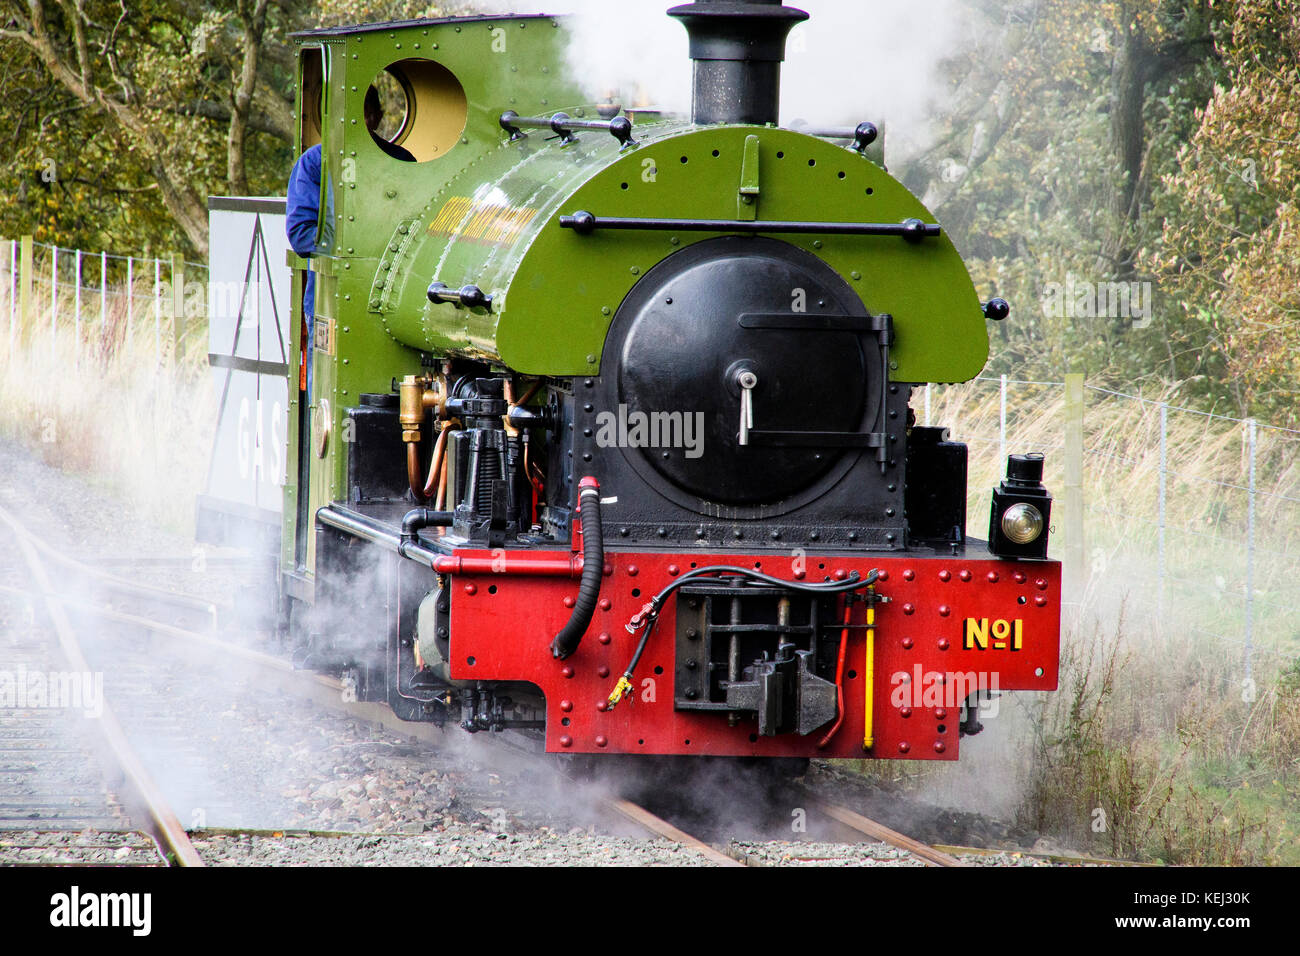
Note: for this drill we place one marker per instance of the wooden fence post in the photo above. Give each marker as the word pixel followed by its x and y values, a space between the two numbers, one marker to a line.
pixel 178 304
pixel 1076 574
pixel 26 268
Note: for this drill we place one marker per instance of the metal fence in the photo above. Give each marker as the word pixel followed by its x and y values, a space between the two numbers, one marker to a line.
pixel 97 297
pixel 1196 515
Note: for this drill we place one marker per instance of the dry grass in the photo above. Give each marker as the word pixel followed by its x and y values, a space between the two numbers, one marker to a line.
pixel 136 421
pixel 1158 745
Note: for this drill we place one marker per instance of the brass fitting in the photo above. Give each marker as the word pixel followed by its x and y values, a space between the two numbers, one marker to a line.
pixel 416 395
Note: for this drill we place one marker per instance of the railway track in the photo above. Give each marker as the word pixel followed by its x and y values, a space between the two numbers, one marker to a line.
pixel 43 750
pixel 144 800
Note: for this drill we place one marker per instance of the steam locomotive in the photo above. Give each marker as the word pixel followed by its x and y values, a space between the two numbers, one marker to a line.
pixel 608 436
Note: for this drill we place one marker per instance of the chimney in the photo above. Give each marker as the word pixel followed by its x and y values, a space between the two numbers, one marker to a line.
pixel 737 48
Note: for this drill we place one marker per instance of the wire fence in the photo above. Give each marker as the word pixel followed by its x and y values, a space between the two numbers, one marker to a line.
pixel 1195 514
pixel 98 301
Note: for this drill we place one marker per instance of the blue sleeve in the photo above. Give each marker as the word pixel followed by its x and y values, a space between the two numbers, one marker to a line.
pixel 302 208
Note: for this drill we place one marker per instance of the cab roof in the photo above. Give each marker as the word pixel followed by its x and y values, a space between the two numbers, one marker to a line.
pixel 350 29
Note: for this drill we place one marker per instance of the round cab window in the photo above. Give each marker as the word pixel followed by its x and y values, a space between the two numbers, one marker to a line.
pixel 415 110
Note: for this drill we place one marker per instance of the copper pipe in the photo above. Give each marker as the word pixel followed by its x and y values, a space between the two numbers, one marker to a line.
pixel 511 404
pixel 839 678
pixel 439 449
pixel 413 469
pixel 529 394
pixel 440 503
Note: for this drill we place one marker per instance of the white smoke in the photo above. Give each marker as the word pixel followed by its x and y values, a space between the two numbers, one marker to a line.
pixel 852 60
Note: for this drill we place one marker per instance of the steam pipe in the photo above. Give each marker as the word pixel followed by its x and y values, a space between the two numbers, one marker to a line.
pixel 366 528
pixel 511 564
pixel 413 469
pixel 435 467
pixel 418 518
pixel 593 567
pixel 441 499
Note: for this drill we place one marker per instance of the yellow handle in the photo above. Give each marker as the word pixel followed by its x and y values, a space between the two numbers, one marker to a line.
pixel 868 734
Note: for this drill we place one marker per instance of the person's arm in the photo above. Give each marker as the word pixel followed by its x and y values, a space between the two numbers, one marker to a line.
pixel 303 206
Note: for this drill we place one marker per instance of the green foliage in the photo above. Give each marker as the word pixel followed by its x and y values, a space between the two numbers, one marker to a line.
pixel 1230 244
pixel 1129 761
pixel 1046 209
pixel 93 153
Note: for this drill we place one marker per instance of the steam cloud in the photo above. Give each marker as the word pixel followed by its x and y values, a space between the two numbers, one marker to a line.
pixel 850 61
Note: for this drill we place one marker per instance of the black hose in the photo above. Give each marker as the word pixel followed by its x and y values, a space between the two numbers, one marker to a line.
pixel 593 568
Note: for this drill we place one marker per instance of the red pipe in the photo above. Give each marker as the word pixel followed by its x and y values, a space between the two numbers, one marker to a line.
pixel 521 565
pixel 839 678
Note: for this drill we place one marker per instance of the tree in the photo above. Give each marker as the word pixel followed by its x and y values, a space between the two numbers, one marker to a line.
pixel 1230 246
pixel 1049 177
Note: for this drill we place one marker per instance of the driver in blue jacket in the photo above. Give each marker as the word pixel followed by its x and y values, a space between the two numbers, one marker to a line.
pixel 302 210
